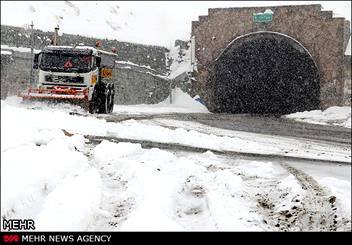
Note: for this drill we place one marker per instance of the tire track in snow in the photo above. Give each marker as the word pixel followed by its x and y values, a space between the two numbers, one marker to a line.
pixel 114 207
pixel 303 218
pixel 319 209
pixel 312 210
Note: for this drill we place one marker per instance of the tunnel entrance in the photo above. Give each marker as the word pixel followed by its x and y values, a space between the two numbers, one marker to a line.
pixel 264 73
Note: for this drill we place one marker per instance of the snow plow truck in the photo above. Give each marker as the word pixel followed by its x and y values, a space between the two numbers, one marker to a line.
pixel 81 75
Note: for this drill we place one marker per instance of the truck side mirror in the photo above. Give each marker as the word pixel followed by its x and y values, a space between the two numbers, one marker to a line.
pixel 98 61
pixel 36 61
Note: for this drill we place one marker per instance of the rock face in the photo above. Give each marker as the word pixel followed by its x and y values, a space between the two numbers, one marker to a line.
pixel 347 96
pixel 137 85
pixel 145 81
pixel 6 61
pixel 321 35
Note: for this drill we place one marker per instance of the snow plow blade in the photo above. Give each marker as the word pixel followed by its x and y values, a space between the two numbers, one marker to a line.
pixel 58 95
pixel 35 96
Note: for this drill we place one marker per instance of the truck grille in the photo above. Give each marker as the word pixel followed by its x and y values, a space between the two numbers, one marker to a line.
pixel 63 79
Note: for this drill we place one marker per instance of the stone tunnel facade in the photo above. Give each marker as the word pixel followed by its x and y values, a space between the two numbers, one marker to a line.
pixel 316 33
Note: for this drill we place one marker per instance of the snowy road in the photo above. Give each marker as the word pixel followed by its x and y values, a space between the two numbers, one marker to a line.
pixel 133 185
pixel 251 123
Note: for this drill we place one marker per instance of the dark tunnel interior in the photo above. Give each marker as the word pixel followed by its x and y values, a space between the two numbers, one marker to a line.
pixel 265 73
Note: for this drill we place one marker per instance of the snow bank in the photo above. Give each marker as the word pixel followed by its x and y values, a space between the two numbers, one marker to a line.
pixel 339 116
pixel 71 206
pixel 342 190
pixel 181 103
pixel 45 176
pixel 237 141
pixel 183 100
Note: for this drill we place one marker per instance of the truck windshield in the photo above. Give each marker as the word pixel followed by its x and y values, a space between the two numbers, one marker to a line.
pixel 66 62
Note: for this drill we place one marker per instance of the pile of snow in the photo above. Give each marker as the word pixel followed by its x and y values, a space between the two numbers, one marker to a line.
pixel 72 205
pixel 45 175
pixel 181 103
pixel 339 116
pixel 183 100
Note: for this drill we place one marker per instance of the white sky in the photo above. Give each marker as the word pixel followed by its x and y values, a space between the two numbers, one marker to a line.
pixel 148 22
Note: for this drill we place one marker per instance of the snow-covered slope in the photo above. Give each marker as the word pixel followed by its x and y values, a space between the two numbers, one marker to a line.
pixel 146 22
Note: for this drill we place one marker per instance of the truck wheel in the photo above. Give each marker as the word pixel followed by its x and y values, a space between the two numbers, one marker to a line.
pixel 91 107
pixel 105 101
pixel 101 98
pixel 93 104
pixel 111 97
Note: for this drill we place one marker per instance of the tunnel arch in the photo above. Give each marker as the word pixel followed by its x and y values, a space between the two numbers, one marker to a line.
pixel 263 73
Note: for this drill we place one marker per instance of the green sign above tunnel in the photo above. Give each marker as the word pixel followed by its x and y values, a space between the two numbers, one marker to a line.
pixel 267 16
